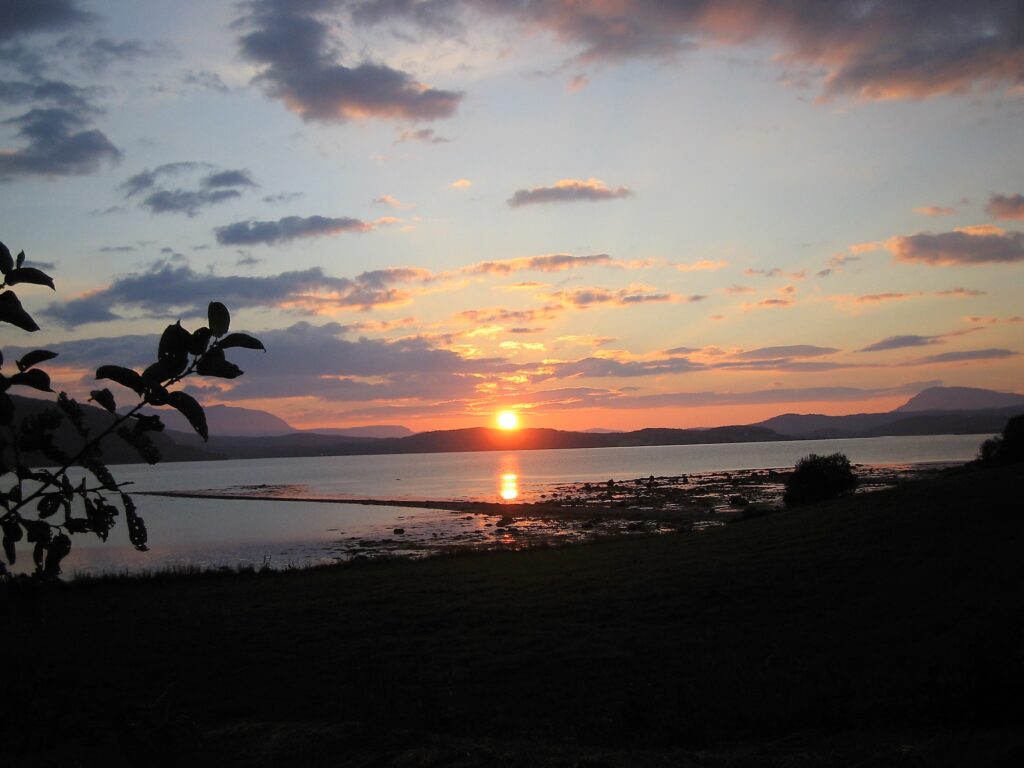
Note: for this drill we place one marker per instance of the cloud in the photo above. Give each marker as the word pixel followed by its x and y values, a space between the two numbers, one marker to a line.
pixel 230 178
pixel 425 135
pixel 57 143
pixel 281 197
pixel 317 361
pixel 552 262
pixel 310 361
pixel 205 80
pixel 584 298
pixel 935 210
pixel 293 44
pixel 503 315
pixel 964 356
pixel 770 303
pixel 217 186
pixel 739 289
pixel 189 202
pixel 54 92
pixel 602 367
pixel 961 292
pixel 22 17
pixel 287 229
pixel 390 201
pixel 578 398
pixel 567 190
pixel 788 351
pixel 1006 207
pixel 461 184
pixel 911 49
pixel 704 265
pixel 878 298
pixel 100 53
pixel 167 290
pixel 775 272
pixel 962 246
pixel 909 340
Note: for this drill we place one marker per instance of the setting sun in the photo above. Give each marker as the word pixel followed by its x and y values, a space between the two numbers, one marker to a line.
pixel 508 420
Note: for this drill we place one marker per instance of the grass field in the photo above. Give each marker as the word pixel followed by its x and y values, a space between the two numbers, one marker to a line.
pixel 879 629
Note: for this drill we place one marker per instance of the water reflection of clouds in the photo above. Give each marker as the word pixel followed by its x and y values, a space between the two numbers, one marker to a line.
pixel 508 487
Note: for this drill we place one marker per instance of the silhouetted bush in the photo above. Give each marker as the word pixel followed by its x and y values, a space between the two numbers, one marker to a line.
pixel 1007 448
pixel 817 478
pixel 42 506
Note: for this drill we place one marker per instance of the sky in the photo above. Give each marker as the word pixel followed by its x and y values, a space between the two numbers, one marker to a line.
pixel 613 214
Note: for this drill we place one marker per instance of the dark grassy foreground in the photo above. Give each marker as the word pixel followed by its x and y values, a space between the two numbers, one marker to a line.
pixel 876 630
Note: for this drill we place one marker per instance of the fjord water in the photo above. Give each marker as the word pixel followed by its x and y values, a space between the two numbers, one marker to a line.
pixel 216 532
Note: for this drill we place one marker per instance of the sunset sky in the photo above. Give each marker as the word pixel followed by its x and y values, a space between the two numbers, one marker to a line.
pixel 617 214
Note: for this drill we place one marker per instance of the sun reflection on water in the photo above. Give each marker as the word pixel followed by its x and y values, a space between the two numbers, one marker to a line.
pixel 508 487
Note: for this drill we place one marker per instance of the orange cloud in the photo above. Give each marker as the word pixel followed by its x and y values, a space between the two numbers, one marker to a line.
pixel 702 266
pixel 567 190
pixel 935 210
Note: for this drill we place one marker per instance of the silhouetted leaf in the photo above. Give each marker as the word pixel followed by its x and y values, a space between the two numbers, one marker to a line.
pixel 214 364
pixel 12 535
pixel 29 275
pixel 100 472
pixel 74 412
pixel 35 357
pixel 126 377
pixel 20 259
pixel 104 399
pixel 137 534
pixel 6 260
pixel 35 378
pixel 140 441
pixel 38 554
pixel 59 548
pixel 36 531
pixel 219 317
pixel 191 410
pixel 200 341
pixel 174 342
pixel 48 505
pixel 6 409
pixel 151 423
pixel 12 312
pixel 243 340
pixel 164 369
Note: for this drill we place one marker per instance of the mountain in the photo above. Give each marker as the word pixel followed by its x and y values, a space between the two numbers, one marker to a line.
pixel 115 450
pixel 472 439
pixel 228 420
pixel 376 430
pixel 960 399
pixel 232 421
pixel 933 411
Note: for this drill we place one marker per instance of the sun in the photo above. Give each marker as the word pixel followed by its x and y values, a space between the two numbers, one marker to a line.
pixel 508 420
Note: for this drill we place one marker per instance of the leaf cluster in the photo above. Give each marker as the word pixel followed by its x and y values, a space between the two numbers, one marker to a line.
pixel 43 507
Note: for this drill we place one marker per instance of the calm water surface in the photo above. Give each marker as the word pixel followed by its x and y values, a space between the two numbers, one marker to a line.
pixel 213 532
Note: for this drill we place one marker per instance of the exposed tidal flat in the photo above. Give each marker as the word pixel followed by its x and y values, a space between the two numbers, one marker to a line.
pixel 877 629
pixel 286 513
pixel 289 513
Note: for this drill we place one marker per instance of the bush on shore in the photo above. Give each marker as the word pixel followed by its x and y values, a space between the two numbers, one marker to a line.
pixel 817 478
pixel 1007 448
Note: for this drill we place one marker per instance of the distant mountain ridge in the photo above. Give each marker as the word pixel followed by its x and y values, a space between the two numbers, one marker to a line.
pixel 960 399
pixel 236 433
pixel 933 411
pixel 234 421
